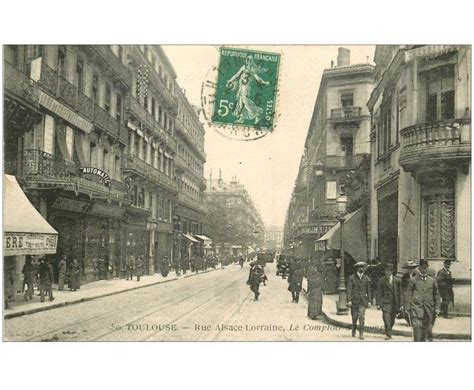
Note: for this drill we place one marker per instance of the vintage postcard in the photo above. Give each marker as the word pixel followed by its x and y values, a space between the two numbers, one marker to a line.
pixel 237 193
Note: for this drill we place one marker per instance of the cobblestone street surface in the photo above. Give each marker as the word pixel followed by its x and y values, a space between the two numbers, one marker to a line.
pixel 212 306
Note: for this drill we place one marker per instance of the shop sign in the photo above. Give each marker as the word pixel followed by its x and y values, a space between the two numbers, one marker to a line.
pixel 15 244
pixel 98 172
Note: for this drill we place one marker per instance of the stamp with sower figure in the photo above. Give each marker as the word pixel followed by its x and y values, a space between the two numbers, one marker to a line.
pixel 242 104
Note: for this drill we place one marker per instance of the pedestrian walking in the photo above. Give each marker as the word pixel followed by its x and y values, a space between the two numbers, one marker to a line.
pixel 388 299
pixel 295 282
pixel 445 285
pixel 424 302
pixel 165 266
pixel 131 267
pixel 255 274
pixel 62 272
pixel 315 292
pixel 139 267
pixel 74 275
pixel 46 279
pixel 28 278
pixel 241 261
pixel 359 297
pixel 410 268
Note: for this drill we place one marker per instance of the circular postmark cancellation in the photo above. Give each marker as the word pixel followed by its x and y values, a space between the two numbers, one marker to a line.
pixel 239 96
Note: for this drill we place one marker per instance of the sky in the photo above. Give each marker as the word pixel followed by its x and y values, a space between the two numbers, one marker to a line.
pixel 267 166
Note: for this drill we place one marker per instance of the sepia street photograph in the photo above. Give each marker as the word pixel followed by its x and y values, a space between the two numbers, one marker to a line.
pixel 237 192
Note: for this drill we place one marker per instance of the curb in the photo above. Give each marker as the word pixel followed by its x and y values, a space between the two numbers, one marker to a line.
pixel 395 332
pixel 81 300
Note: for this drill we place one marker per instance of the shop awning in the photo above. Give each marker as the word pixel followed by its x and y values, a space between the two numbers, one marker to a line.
pixel 354 236
pixel 190 238
pixel 202 237
pixel 26 232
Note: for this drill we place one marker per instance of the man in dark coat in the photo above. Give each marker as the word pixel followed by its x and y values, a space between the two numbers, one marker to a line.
pixel 28 278
pixel 423 295
pixel 62 272
pixel 315 294
pixel 295 283
pixel 255 275
pixel 139 267
pixel 359 297
pixel 74 275
pixel 388 299
pixel 410 268
pixel 46 279
pixel 445 285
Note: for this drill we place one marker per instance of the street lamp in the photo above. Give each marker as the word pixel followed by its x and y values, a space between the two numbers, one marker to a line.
pixel 342 290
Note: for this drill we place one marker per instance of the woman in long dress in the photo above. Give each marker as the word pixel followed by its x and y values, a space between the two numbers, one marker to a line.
pixel 315 294
pixel 241 82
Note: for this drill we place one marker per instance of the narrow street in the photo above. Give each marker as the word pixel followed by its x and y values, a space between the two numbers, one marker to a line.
pixel 213 306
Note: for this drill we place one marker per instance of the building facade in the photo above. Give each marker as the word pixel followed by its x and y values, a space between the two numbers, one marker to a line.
pixel 274 237
pixel 234 223
pixel 421 156
pixel 336 150
pixel 190 211
pixel 90 134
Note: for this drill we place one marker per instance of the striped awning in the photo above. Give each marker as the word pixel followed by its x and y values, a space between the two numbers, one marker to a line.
pixel 428 50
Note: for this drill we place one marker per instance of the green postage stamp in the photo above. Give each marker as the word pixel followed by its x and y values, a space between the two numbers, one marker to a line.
pixel 246 89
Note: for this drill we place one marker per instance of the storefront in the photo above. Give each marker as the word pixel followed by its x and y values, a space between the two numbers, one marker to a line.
pixel 26 232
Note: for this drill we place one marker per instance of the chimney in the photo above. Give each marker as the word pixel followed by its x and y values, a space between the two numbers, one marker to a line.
pixel 343 57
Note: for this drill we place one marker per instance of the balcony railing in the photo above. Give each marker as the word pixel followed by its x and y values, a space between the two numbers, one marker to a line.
pixel 345 114
pixel 197 146
pixel 113 61
pixel 133 163
pixel 78 101
pixel 441 140
pixel 191 202
pixel 157 81
pixel 18 83
pixel 53 170
pixel 144 116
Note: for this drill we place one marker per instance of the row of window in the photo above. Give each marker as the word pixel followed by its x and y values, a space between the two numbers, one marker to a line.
pixel 192 161
pixel 439 91
pixel 160 207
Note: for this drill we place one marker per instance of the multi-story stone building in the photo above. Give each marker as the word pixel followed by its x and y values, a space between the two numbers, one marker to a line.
pixel 90 134
pixel 421 156
pixel 150 161
pixel 337 144
pixel 234 223
pixel 190 211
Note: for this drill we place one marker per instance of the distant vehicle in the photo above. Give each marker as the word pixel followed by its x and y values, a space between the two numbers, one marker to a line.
pixel 264 257
pixel 283 263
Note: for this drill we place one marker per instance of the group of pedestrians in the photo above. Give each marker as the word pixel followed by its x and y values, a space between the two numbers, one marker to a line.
pixel 42 276
pixel 133 266
pixel 419 296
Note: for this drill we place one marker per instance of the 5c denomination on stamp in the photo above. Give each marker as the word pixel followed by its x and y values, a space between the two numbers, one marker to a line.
pixel 240 95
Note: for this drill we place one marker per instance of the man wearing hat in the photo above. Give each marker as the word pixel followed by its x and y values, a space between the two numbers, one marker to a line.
pixel 388 299
pixel 359 297
pixel 410 270
pixel 445 285
pixel 423 298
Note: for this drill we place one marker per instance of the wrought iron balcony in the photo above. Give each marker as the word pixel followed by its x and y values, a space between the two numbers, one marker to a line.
pixel 43 170
pixel 139 112
pixel 68 93
pixel 159 84
pixel 147 171
pixel 191 202
pixel 181 128
pixel 19 84
pixel 113 62
pixel 447 141
pixel 346 114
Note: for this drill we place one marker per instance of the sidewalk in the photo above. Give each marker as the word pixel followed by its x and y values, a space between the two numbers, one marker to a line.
pixel 458 328
pixel 87 292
